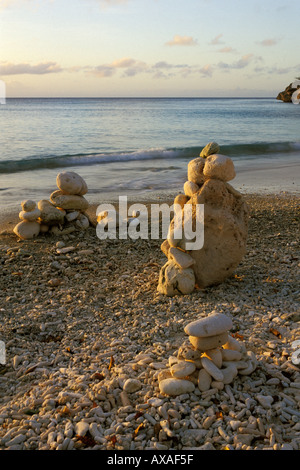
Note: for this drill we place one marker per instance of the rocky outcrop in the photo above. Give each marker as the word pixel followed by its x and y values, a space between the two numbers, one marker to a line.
pixel 286 95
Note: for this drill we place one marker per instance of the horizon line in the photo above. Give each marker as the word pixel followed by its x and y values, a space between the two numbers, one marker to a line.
pixel 139 97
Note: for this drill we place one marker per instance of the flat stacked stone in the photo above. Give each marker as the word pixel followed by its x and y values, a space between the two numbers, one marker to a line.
pixel 211 359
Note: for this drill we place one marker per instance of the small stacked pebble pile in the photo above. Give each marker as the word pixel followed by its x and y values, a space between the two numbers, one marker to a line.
pixel 28 227
pixel 62 215
pixel 211 359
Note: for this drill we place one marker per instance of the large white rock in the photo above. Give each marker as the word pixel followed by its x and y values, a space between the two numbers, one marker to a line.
pixel 212 369
pixel 175 387
pixel 219 167
pixel 229 373
pixel 132 385
pixel 182 259
pixel 69 201
pixel 182 369
pixel 50 215
pixel 70 182
pixel 173 280
pixel 195 170
pixel 216 239
pixel 225 233
pixel 27 230
pixel 204 380
pixel 213 324
pixel 190 188
pixel 28 205
pixel 30 216
pixel 82 222
pixel 209 342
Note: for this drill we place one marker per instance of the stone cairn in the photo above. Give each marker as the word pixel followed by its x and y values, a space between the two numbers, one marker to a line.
pixel 63 214
pixel 210 360
pixel 225 227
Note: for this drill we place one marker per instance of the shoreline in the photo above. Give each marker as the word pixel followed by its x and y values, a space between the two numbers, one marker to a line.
pixel 9 217
pixel 263 176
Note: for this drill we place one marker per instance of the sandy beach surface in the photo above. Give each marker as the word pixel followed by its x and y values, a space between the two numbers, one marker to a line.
pixel 77 326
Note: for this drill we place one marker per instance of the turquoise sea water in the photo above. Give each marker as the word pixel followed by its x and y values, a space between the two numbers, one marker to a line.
pixel 140 145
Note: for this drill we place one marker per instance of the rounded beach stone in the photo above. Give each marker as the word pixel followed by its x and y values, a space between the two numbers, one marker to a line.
pixel 27 230
pixel 173 280
pixel 212 369
pixel 71 216
pixel 175 387
pixel 28 205
pixel 204 380
pixel 182 259
pixel 70 183
pixel 188 353
pixel 210 149
pixel 181 199
pixel 209 342
pixel 231 355
pixel 219 167
pixel 50 215
pixel 182 369
pixel 165 247
pixel 195 170
pixel 30 216
pixel 82 222
pixel 213 324
pixel 68 201
pixel 233 343
pixel 190 188
pixel 132 385
pixel 229 373
pixel 81 428
pixel 163 375
pixel 248 370
pixel 215 355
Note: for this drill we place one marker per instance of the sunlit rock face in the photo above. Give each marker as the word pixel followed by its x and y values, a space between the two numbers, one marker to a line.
pixel 225 224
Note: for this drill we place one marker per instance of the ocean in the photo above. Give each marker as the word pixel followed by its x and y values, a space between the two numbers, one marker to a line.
pixel 141 147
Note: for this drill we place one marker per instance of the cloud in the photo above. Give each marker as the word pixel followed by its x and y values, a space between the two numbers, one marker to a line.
pixel 226 50
pixel 240 64
pixel 131 68
pixel 275 70
pixel 7 68
pixel 217 40
pixel 182 41
pixel 123 63
pixel 268 42
pixel 206 71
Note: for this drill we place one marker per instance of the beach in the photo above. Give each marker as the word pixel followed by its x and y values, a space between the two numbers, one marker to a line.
pixel 76 326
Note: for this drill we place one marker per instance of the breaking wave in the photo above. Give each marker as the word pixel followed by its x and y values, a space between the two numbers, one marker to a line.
pixel 66 161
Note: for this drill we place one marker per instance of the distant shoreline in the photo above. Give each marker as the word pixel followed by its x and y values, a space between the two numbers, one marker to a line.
pixel 141 98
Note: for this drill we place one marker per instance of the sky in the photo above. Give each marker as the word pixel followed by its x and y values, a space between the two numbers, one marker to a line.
pixel 148 48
